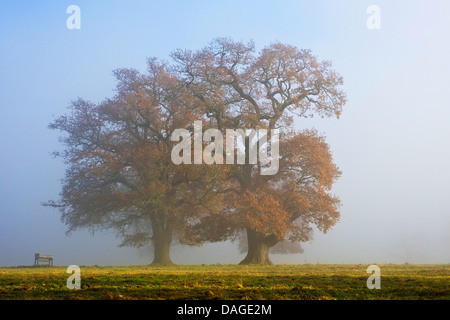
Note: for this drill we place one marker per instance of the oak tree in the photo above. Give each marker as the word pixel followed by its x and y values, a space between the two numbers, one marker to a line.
pixel 235 87
pixel 120 174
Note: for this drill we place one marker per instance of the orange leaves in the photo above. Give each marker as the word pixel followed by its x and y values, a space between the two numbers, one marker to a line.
pixel 284 205
pixel 119 151
pixel 306 159
pixel 262 212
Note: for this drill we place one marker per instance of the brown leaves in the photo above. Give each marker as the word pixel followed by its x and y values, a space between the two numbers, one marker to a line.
pixel 261 211
pixel 307 160
pixel 120 172
pixel 230 77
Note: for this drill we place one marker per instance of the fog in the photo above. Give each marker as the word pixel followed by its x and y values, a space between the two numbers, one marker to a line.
pixel 392 142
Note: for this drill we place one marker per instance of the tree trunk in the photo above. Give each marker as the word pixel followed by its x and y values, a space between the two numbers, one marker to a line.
pixel 162 238
pixel 258 243
pixel 258 248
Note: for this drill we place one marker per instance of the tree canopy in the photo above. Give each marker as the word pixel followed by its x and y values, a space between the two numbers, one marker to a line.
pixel 239 88
pixel 121 174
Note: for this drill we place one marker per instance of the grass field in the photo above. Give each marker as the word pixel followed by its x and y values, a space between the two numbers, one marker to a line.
pixel 228 282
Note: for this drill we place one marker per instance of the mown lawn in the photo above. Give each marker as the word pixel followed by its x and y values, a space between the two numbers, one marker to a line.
pixel 228 282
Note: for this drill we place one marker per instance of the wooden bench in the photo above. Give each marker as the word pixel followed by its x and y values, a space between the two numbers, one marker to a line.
pixel 43 257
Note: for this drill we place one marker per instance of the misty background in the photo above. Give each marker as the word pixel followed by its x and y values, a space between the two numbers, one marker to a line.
pixel 392 142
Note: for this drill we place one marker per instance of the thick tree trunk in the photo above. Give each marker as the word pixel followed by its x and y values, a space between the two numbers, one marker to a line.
pixel 258 248
pixel 162 238
pixel 258 243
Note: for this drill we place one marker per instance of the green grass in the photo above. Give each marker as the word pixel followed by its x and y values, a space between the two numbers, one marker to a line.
pixel 286 282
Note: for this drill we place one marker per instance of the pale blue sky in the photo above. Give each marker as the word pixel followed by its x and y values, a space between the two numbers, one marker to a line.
pixel 392 143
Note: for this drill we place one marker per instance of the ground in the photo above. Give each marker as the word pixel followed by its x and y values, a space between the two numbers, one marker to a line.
pixel 277 282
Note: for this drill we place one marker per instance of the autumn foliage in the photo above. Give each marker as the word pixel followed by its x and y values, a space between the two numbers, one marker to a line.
pixel 120 174
pixel 237 88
